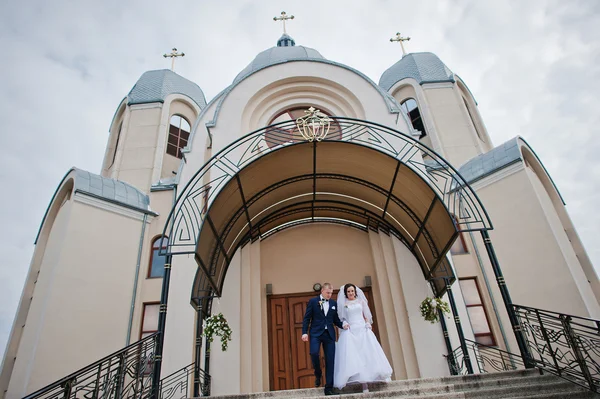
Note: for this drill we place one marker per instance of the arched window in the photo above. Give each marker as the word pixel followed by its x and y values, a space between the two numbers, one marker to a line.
pixel 156 267
pixel 179 133
pixel 411 109
pixel 276 136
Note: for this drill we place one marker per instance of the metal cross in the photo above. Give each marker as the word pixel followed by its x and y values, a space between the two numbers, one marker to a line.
pixel 400 39
pixel 172 56
pixel 283 18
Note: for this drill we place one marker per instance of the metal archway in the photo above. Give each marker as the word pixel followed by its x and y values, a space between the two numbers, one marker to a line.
pixel 363 175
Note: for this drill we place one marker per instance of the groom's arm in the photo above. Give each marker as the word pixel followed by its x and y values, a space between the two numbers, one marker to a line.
pixel 307 318
pixel 336 319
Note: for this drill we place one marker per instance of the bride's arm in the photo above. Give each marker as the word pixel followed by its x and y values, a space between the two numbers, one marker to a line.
pixel 366 314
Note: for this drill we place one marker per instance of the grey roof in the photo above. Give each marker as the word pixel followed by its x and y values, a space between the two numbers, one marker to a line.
pixel 486 164
pixel 104 188
pixel 285 51
pixel 155 86
pixel 498 158
pixel 112 190
pixel 423 67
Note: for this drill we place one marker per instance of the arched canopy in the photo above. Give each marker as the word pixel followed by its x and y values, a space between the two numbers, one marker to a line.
pixel 369 177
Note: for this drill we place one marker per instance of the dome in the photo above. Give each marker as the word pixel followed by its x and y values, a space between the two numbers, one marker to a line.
pixel 423 67
pixel 155 86
pixel 286 50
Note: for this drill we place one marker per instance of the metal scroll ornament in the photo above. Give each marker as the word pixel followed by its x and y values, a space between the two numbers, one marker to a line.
pixel 314 126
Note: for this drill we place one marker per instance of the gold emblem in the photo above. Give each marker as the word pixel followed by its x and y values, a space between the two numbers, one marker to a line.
pixel 314 126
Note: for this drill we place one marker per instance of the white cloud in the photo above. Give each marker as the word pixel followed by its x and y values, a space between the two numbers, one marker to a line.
pixel 532 66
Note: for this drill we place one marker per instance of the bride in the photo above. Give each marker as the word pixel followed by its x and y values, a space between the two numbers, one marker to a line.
pixel 358 356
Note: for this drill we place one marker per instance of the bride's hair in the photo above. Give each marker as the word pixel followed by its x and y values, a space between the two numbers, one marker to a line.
pixel 346 289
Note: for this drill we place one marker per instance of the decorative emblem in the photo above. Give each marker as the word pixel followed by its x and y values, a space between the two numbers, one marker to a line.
pixel 314 126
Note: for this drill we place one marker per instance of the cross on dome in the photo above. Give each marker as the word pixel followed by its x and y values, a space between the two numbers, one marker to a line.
pixel 283 18
pixel 400 39
pixel 172 55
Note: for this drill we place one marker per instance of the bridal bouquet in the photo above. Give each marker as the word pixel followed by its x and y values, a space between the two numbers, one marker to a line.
pixel 429 309
pixel 217 325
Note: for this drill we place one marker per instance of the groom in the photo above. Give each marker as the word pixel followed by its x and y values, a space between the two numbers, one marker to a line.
pixel 321 315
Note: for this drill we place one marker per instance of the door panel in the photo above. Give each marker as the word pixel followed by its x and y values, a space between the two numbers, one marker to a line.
pixel 302 371
pixel 279 345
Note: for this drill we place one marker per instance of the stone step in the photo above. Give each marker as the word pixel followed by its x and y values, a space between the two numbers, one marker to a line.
pixel 510 384
pixel 460 391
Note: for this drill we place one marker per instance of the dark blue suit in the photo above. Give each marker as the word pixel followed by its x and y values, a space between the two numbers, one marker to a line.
pixel 316 319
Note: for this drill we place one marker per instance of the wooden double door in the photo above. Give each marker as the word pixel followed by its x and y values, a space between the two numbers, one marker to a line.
pixel 290 366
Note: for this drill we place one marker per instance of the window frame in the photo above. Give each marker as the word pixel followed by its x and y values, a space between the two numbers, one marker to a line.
pixel 482 305
pixel 407 113
pixel 144 305
pixel 179 138
pixel 152 248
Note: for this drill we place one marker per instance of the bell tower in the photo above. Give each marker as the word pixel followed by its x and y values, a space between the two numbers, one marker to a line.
pixel 438 104
pixel 151 126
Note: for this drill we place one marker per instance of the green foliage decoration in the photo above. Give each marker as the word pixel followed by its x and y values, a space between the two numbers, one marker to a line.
pixel 217 325
pixel 429 309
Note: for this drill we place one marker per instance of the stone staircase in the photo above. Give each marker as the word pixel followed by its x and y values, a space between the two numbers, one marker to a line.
pixel 509 384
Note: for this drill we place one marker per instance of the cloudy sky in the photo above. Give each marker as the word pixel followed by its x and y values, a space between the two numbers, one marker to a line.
pixel 533 66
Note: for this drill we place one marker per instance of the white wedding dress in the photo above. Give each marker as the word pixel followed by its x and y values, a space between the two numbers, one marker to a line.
pixel 358 356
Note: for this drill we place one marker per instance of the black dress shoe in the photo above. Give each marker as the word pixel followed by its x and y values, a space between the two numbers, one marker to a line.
pixel 329 392
pixel 317 382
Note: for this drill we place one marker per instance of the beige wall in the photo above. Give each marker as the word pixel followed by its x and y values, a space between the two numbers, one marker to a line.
pixel 534 267
pixel 137 148
pixel 59 205
pixel 453 126
pixel 427 338
pixel 564 245
pixel 80 312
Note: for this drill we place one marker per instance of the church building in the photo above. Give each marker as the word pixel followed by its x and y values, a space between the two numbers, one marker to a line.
pixel 302 171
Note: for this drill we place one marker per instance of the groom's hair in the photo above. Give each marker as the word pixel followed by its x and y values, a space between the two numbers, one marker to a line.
pixel 326 285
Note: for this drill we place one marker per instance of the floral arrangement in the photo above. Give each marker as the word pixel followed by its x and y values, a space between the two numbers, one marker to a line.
pixel 217 325
pixel 429 309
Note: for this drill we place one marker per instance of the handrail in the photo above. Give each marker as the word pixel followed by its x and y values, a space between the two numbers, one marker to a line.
pixel 99 366
pixel 126 373
pixel 488 359
pixel 587 319
pixel 562 344
pixel 177 384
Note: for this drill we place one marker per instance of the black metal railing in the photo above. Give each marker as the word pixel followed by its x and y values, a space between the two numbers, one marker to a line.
pixel 488 359
pixel 127 373
pixel 565 345
pixel 179 384
pixel 562 344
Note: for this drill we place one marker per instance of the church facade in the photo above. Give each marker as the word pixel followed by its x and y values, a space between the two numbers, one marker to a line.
pixel 267 215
